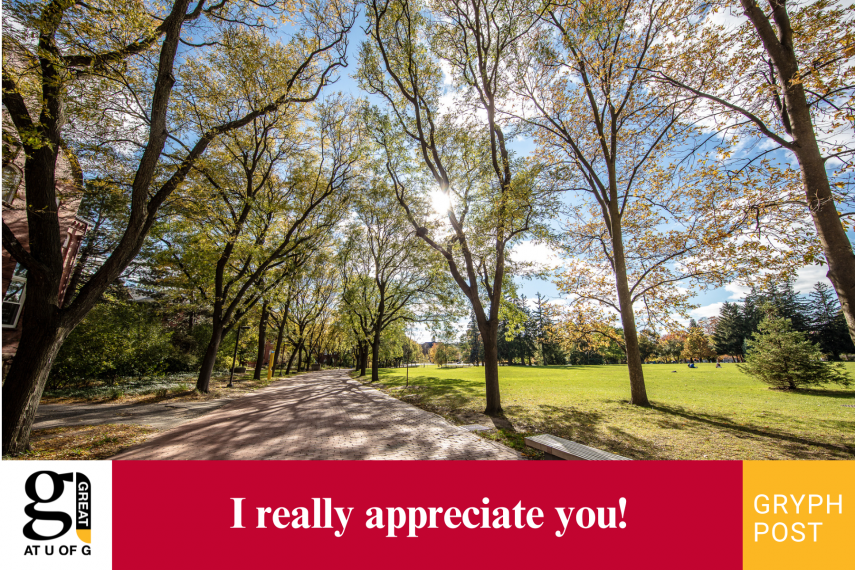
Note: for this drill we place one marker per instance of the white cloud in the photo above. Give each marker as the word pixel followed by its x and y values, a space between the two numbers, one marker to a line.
pixel 808 276
pixel 737 291
pixel 707 311
pixel 540 254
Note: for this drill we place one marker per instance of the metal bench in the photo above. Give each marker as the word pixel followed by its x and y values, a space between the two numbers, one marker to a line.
pixel 565 449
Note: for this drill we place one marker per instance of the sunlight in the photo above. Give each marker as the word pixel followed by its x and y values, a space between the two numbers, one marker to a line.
pixel 441 201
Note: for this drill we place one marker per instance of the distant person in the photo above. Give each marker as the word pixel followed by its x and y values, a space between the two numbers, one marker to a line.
pixel 692 365
pixel 717 364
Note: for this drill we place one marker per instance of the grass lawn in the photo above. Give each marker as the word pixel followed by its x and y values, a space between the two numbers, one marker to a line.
pixel 706 413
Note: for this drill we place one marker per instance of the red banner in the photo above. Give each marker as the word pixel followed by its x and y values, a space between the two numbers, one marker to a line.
pixel 424 514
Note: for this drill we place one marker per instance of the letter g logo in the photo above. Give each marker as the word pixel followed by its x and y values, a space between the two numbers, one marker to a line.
pixel 58 482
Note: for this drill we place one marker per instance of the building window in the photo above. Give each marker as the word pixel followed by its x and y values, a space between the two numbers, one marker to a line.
pixel 11 181
pixel 13 300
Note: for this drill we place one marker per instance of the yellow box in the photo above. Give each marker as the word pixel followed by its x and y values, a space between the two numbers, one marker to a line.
pixel 808 530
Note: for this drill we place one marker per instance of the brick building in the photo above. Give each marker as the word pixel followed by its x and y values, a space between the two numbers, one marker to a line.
pixel 72 228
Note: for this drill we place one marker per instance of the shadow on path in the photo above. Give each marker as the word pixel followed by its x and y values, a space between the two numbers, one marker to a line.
pixel 321 415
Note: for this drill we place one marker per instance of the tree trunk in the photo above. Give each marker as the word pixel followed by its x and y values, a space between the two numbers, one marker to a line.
pixel 489 333
pixel 204 380
pixel 24 383
pixel 638 392
pixel 778 43
pixel 291 361
pixel 277 354
pixel 299 357
pixel 375 357
pixel 42 329
pixel 835 243
pixel 363 357
pixel 262 342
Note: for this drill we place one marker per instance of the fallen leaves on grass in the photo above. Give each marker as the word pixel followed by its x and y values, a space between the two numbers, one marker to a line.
pixel 84 442
pixel 218 388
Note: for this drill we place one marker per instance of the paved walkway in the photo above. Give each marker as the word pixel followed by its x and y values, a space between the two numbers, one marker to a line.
pixel 321 415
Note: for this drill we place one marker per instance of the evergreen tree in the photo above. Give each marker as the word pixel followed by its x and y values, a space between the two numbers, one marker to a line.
pixel 528 334
pixel 503 350
pixel 785 358
pixel 828 323
pixel 785 302
pixel 474 345
pixel 730 331
pixel 788 305
pixel 751 313
pixel 548 350
pixel 824 305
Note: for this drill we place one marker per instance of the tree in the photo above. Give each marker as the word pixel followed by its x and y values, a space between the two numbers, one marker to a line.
pixel 257 210
pixel 787 359
pixel 783 74
pixel 642 229
pixel 474 345
pixel 281 303
pixel 647 344
pixel 116 339
pixel 670 346
pixel 585 330
pixel 314 294
pixel 730 331
pixel 262 338
pixel 543 322
pixel 828 324
pixel 782 298
pixel 484 197
pixel 86 51
pixel 697 346
pixel 442 353
pixel 388 275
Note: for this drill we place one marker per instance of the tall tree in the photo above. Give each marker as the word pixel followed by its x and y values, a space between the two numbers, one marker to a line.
pixel 257 210
pixel 388 276
pixel 638 231
pixel 314 293
pixel 133 48
pixel 543 316
pixel 730 331
pixel 280 305
pixel 475 345
pixel 828 323
pixel 484 197
pixel 783 73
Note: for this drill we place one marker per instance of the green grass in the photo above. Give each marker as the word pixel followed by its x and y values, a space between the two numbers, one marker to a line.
pixel 706 413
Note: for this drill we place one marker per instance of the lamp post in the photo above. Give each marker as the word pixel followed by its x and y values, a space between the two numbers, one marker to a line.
pixel 234 356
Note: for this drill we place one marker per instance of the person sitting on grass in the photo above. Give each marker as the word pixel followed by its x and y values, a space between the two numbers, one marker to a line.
pixel 692 364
